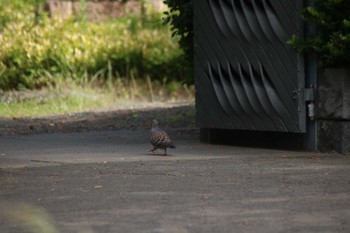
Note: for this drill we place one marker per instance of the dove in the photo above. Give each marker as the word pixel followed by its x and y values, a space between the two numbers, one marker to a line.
pixel 159 138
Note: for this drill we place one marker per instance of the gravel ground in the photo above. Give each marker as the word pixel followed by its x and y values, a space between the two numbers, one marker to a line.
pixel 107 182
pixel 170 115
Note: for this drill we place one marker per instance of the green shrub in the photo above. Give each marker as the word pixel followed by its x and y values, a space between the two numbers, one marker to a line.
pixel 180 18
pixel 15 11
pixel 31 54
pixel 331 41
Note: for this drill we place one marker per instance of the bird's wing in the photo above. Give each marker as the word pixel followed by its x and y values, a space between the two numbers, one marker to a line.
pixel 160 138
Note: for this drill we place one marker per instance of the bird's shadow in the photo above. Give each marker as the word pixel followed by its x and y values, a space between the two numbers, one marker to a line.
pixel 158 154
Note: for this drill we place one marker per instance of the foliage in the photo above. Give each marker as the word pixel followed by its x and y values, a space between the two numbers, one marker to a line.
pixel 31 55
pixel 180 17
pixel 9 12
pixel 331 42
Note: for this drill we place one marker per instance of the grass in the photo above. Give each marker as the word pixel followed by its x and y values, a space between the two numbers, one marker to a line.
pixel 71 97
pixel 31 52
pixel 50 66
pixel 27 217
pixel 67 48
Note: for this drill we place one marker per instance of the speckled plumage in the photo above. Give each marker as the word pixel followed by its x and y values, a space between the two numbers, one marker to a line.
pixel 159 138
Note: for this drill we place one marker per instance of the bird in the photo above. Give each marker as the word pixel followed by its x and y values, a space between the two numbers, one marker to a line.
pixel 159 138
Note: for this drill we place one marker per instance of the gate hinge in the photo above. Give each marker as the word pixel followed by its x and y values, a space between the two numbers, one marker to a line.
pixel 309 94
pixel 306 94
pixel 309 97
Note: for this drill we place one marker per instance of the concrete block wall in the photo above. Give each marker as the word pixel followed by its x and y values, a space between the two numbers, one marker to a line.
pixel 333 110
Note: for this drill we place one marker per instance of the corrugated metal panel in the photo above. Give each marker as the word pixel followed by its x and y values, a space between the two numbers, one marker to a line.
pixel 246 74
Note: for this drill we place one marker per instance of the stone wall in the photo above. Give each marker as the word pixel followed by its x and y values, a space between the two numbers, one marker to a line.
pixel 98 10
pixel 333 110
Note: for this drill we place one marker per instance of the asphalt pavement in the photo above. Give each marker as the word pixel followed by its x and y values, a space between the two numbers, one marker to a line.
pixel 96 182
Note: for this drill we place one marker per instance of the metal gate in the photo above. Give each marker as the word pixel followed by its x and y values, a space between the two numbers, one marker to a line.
pixel 246 74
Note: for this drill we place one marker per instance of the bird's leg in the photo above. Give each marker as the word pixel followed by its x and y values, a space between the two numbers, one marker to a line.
pixel 152 150
pixel 165 151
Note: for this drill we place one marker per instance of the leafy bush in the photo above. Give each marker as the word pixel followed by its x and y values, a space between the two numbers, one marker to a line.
pixel 180 18
pixel 31 54
pixel 15 11
pixel 331 42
